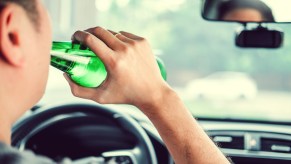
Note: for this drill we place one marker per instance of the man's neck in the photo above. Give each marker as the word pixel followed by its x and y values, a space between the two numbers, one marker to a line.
pixel 5 130
pixel 9 109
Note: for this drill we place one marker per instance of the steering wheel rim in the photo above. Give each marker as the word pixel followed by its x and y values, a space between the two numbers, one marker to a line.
pixel 44 117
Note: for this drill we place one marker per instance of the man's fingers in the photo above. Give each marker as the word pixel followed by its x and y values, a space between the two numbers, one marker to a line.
pixel 113 32
pixel 125 39
pixel 107 37
pixel 127 34
pixel 95 44
pixel 131 36
pixel 122 37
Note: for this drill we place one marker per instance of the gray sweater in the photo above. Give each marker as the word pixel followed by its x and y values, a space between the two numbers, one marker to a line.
pixel 9 155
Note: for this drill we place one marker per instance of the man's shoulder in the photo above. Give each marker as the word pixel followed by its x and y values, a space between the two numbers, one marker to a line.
pixel 9 155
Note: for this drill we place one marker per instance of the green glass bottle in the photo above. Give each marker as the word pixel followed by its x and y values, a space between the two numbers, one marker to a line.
pixel 82 65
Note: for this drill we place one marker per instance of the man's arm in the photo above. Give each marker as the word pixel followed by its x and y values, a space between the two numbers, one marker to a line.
pixel 134 78
pixel 184 138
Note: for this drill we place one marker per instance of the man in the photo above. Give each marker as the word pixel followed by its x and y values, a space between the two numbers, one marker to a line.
pixel 25 41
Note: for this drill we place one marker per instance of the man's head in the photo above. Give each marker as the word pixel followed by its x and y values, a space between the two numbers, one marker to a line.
pixel 28 5
pixel 25 42
pixel 245 11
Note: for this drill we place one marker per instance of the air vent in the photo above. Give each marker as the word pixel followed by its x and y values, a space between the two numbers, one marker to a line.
pixel 229 142
pixel 275 145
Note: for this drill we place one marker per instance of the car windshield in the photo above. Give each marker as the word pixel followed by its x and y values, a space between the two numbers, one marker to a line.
pixel 213 77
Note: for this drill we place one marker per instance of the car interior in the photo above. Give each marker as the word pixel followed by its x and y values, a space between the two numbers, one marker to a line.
pixel 229 60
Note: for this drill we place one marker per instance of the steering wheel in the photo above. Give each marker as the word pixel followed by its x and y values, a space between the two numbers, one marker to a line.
pixel 86 133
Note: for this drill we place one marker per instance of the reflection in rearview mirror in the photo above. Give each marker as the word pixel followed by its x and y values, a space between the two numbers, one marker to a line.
pixel 247 10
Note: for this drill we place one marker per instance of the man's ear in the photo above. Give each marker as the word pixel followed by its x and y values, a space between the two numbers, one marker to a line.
pixel 10 49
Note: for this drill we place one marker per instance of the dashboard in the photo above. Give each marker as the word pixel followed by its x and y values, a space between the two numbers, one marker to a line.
pixel 251 142
pixel 247 142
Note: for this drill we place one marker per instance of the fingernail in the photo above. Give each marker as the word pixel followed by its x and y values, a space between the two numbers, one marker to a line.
pixel 113 32
pixel 66 76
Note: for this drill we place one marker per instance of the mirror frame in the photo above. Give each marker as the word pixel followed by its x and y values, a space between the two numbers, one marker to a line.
pixel 203 9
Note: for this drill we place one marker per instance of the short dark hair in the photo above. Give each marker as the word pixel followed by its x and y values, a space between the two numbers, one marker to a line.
pixel 29 6
pixel 258 5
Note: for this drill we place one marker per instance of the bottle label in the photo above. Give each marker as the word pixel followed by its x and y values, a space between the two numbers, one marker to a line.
pixel 71 57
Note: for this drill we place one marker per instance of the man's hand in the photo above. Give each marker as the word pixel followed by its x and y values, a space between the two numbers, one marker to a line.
pixel 133 74
pixel 134 78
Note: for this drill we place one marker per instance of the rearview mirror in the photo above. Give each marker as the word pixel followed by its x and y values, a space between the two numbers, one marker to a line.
pixel 244 11
pixel 259 37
